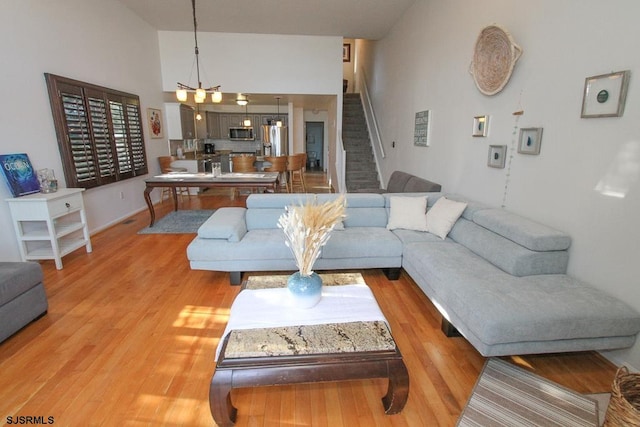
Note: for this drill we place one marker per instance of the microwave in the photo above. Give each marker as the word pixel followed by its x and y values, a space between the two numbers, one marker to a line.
pixel 241 134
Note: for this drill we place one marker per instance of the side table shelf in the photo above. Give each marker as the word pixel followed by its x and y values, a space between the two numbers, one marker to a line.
pixel 50 226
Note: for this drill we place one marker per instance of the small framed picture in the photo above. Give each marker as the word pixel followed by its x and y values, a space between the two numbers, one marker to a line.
pixel 480 126
pixel 346 52
pixel 497 156
pixel 530 139
pixel 605 95
pixel 422 126
pixel 154 120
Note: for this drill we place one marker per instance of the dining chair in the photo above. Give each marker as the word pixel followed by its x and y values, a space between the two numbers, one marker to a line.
pixel 243 163
pixel 166 167
pixel 294 169
pixel 278 164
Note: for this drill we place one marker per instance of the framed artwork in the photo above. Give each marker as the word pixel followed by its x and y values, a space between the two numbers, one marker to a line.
pixel 480 126
pixel 154 120
pixel 346 52
pixel 529 142
pixel 497 156
pixel 605 95
pixel 422 126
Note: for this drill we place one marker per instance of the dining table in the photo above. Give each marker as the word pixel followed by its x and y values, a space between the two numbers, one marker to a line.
pixel 173 180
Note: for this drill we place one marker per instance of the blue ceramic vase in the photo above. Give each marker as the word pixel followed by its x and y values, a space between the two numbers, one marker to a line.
pixel 305 291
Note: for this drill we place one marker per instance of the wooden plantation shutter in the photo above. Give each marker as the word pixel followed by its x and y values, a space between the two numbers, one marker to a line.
pixel 99 132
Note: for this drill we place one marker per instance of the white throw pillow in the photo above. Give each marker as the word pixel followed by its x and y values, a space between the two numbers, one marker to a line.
pixel 443 215
pixel 408 213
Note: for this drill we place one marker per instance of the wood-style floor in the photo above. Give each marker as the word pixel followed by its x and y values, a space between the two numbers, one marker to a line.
pixel 131 332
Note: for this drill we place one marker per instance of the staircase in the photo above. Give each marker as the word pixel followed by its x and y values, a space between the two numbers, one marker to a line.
pixel 360 169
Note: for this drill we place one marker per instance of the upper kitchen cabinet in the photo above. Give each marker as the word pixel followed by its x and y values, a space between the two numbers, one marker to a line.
pixel 181 121
pixel 213 125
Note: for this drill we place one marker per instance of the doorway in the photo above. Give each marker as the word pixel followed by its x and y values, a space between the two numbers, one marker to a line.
pixel 315 145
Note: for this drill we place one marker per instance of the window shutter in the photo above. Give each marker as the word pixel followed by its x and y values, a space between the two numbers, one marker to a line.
pixel 78 138
pixel 99 132
pixel 138 151
pixel 101 136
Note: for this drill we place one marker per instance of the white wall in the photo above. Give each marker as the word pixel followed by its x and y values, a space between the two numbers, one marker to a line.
pixel 254 63
pixel 95 41
pixel 423 65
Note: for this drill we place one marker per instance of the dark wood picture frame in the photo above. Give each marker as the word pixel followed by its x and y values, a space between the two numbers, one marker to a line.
pixel 346 52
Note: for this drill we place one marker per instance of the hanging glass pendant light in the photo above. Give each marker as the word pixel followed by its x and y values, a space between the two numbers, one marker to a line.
pixel 247 120
pixel 200 94
pixel 278 121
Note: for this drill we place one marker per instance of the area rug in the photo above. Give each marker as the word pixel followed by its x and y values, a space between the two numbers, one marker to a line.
pixel 179 222
pixel 506 395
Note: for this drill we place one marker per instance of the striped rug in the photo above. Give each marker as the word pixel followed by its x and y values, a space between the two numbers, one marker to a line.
pixel 506 395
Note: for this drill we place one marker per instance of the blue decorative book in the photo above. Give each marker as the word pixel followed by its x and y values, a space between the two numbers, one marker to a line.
pixel 19 174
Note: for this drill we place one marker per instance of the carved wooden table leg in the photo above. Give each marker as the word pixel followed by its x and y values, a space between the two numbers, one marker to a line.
pixel 147 198
pixel 398 389
pixel 222 410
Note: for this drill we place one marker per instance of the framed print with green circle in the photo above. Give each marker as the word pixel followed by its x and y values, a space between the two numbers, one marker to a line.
pixel 605 95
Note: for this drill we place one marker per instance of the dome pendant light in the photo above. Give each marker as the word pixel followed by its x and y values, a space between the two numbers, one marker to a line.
pixel 200 92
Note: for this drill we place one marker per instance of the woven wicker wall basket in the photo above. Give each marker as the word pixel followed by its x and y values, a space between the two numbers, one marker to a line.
pixel 494 57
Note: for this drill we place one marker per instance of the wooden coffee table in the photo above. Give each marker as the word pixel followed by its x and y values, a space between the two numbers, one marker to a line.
pixel 312 353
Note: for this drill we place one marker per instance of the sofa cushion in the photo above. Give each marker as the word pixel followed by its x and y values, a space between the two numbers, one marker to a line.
pixel 408 213
pixel 256 244
pixel 523 231
pixel 506 254
pixel 443 215
pixel 17 278
pixel 225 223
pixel 362 242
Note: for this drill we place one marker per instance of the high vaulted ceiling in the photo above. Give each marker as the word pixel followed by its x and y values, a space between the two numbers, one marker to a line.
pixel 358 19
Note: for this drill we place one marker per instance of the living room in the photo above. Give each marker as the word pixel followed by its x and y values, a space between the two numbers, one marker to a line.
pixel 584 181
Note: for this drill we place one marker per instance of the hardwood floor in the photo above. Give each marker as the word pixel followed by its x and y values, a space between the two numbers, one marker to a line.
pixel 131 332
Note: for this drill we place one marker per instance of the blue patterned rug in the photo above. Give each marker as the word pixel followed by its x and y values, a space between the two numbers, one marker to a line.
pixel 179 222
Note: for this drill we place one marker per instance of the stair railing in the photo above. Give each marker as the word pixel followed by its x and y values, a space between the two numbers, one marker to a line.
pixel 372 123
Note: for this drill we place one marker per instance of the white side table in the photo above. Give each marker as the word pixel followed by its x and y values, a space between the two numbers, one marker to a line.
pixel 51 225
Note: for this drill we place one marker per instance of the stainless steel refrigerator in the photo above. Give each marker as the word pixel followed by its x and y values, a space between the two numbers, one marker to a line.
pixel 275 140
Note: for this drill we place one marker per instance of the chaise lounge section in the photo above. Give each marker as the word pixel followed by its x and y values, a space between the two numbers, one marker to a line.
pixel 497 278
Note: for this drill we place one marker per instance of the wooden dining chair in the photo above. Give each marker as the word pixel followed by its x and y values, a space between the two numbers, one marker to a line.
pixel 294 169
pixel 278 164
pixel 165 167
pixel 243 163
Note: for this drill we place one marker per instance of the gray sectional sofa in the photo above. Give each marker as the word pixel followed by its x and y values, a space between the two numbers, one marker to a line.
pixel 498 279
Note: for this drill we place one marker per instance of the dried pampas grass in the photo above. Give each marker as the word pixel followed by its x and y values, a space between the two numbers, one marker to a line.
pixel 308 227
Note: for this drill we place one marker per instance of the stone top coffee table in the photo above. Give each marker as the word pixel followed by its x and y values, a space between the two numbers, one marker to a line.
pixel 311 352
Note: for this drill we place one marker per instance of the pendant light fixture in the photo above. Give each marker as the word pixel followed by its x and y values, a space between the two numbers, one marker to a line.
pixel 247 119
pixel 242 99
pixel 278 121
pixel 200 93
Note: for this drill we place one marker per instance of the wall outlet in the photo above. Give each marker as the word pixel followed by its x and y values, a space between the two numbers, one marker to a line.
pixel 121 195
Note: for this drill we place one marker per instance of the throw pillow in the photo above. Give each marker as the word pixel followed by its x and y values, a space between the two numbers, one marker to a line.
pixel 408 213
pixel 443 215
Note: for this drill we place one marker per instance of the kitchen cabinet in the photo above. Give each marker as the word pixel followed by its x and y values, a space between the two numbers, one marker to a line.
pixel 188 122
pixel 213 125
pixel 51 225
pixel 181 121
